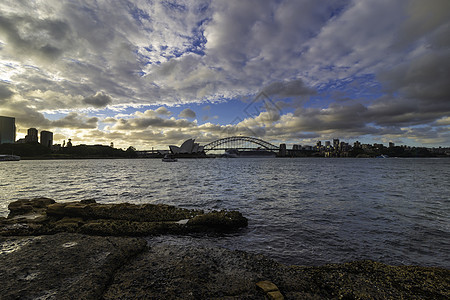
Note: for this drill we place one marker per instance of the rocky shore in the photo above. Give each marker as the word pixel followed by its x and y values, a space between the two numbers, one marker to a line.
pixel 85 250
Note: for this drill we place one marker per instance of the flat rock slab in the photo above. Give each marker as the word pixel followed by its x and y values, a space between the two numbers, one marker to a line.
pixel 62 266
pixel 76 266
pixel 171 271
pixel 183 272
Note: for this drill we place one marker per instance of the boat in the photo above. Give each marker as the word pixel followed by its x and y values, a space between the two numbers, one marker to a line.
pixel 9 157
pixel 169 158
pixel 383 156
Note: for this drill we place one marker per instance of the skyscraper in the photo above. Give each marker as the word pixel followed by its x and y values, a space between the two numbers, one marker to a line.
pixel 46 138
pixel 32 136
pixel 7 130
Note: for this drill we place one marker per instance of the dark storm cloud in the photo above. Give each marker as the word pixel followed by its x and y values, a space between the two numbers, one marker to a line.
pixel 98 100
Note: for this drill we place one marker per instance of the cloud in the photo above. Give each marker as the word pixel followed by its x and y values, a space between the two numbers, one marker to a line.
pixel 163 111
pixel 331 68
pixel 425 77
pixel 39 38
pixel 187 113
pixel 74 120
pixel 5 92
pixel 98 100
pixel 292 88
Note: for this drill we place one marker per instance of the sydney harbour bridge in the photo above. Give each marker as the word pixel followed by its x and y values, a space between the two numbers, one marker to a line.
pixel 240 143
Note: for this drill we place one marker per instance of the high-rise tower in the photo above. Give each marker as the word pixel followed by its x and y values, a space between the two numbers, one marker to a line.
pixel 7 130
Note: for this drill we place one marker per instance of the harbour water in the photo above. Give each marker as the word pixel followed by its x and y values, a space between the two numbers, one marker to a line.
pixel 304 211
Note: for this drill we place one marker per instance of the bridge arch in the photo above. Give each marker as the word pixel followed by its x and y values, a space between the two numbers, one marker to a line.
pixel 240 143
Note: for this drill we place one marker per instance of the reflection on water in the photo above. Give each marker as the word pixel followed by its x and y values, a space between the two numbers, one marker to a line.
pixel 301 211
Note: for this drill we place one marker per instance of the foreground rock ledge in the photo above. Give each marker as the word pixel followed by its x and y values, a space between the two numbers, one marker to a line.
pixel 77 266
pixel 45 216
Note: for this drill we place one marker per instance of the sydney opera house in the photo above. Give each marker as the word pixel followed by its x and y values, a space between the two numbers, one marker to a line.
pixel 188 147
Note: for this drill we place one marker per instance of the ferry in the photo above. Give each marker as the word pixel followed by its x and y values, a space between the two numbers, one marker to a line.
pixel 169 158
pixel 4 157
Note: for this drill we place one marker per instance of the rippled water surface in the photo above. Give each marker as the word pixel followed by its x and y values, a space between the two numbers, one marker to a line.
pixel 307 211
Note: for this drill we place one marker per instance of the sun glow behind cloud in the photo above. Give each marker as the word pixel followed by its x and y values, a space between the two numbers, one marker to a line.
pixel 367 70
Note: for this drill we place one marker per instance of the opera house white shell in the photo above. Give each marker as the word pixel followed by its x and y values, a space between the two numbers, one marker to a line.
pixel 188 147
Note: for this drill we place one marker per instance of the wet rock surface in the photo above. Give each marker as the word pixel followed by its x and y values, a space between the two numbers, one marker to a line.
pixel 62 266
pixel 45 216
pixel 71 251
pixel 183 272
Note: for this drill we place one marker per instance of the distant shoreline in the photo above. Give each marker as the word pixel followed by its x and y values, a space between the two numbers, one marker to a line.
pixel 209 157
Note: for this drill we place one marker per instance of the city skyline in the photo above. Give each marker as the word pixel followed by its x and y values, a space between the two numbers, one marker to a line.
pixel 151 74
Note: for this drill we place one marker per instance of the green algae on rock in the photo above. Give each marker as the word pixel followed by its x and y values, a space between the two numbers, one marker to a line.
pixel 45 216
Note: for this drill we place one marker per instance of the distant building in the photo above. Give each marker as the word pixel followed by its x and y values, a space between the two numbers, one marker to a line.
pixel 7 130
pixel 391 145
pixel 188 147
pixel 327 144
pixel 47 138
pixel 32 136
pixel 378 146
pixel 283 151
pixel 336 144
pixel 69 143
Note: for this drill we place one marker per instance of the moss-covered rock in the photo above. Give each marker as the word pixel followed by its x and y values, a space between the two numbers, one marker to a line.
pixel 45 216
pixel 29 206
pixel 219 220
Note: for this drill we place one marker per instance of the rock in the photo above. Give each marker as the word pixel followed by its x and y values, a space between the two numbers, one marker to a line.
pixel 121 211
pixel 275 295
pixel 62 266
pixel 267 286
pixel 45 216
pixel 76 266
pixel 27 206
pixel 176 271
pixel 219 220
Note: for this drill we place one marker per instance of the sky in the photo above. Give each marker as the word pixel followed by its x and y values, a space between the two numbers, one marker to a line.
pixel 149 73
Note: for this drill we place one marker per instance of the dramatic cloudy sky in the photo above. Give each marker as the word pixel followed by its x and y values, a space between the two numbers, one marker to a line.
pixel 152 73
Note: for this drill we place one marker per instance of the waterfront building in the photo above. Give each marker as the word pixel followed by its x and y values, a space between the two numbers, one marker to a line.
pixel 7 130
pixel 47 138
pixel 327 144
pixel 283 150
pixel 336 144
pixel 32 136
pixel 378 146
pixel 188 147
